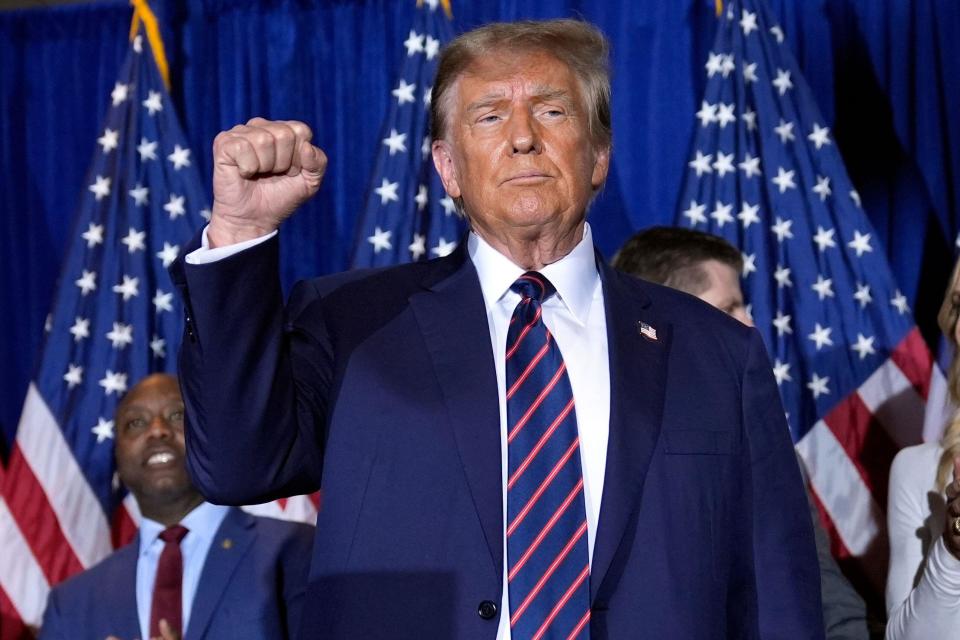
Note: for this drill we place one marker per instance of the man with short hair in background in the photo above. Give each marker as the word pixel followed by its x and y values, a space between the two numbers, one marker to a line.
pixel 709 267
pixel 195 570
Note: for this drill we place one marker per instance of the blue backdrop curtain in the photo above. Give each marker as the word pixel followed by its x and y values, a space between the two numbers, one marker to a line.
pixel 886 74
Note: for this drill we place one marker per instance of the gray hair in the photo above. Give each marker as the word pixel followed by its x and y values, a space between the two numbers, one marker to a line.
pixel 577 44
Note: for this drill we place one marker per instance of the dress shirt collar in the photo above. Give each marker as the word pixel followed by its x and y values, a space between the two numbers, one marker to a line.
pixel 202 522
pixel 574 276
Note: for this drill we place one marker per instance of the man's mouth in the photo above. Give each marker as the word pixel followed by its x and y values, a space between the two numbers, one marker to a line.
pixel 527 177
pixel 160 458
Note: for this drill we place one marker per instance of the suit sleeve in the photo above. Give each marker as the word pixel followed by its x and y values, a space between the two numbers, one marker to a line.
pixel 254 379
pixel 785 557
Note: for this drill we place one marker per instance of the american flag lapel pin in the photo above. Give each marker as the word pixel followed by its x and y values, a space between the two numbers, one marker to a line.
pixel 647 331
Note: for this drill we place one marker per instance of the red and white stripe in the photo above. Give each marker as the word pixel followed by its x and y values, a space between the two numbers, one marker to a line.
pixel 848 453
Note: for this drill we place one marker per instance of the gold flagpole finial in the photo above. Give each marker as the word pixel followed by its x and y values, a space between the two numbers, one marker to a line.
pixel 719 6
pixel 447 8
pixel 143 13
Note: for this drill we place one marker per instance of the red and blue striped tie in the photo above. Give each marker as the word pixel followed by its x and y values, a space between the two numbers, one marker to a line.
pixel 547 553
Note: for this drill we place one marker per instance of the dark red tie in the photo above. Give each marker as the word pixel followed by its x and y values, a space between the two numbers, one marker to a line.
pixel 168 589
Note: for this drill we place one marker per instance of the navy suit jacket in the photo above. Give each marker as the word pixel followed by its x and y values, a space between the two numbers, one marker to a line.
pixel 380 387
pixel 251 587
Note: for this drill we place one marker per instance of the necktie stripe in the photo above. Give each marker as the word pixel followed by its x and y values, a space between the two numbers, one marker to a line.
pixel 562 603
pixel 543 487
pixel 523 333
pixel 535 591
pixel 546 529
pixel 537 402
pixel 530 367
pixel 540 444
pixel 580 625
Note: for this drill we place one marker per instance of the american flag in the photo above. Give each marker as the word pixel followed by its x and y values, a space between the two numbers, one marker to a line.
pixel 408 216
pixel 852 368
pixel 115 319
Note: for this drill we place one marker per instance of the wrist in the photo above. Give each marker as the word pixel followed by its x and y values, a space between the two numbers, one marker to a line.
pixel 222 232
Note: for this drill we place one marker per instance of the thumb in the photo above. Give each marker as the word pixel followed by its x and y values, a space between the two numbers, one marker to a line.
pixel 167 632
pixel 312 159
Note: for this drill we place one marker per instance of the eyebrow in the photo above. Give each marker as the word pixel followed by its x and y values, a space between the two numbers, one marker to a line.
pixel 542 93
pixel 139 407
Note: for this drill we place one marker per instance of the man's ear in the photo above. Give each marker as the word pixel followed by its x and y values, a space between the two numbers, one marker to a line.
pixel 443 161
pixel 601 165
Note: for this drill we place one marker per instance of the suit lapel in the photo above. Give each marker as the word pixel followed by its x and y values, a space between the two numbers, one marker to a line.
pixel 637 385
pixel 228 548
pixel 453 320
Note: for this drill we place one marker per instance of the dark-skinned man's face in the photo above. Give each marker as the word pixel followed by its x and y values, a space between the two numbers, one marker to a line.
pixel 149 447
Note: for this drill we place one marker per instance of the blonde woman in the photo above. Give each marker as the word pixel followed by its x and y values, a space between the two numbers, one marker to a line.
pixel 923 518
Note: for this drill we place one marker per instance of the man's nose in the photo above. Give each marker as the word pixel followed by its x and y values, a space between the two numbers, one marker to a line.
pixel 524 133
pixel 160 428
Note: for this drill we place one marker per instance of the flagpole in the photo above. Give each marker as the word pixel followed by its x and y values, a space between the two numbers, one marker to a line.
pixel 143 13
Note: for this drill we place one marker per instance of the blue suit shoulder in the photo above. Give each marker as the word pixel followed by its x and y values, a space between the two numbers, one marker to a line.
pixel 100 600
pixel 284 531
pixel 354 304
pixel 692 319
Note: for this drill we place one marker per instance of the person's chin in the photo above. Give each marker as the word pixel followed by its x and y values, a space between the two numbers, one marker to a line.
pixel 168 487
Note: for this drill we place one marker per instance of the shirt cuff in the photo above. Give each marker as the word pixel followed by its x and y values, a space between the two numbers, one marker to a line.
pixel 206 255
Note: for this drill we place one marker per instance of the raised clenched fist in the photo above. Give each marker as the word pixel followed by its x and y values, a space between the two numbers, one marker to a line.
pixel 262 171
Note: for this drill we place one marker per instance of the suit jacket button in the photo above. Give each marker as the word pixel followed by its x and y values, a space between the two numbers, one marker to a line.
pixel 487 610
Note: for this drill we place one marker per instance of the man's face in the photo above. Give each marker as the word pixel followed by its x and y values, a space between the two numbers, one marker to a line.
pixel 517 147
pixel 724 291
pixel 149 448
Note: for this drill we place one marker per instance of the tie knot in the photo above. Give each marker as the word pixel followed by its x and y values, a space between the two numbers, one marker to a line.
pixel 534 285
pixel 174 533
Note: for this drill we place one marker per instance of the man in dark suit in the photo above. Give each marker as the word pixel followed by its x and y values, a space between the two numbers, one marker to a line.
pixel 224 574
pixel 709 267
pixel 514 441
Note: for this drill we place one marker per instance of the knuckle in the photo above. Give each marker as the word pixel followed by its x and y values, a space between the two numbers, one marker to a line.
pixel 284 135
pixel 300 129
pixel 261 139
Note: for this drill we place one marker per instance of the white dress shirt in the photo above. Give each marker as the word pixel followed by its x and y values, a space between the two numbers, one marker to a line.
pixel 931 609
pixel 575 317
pixel 202 524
